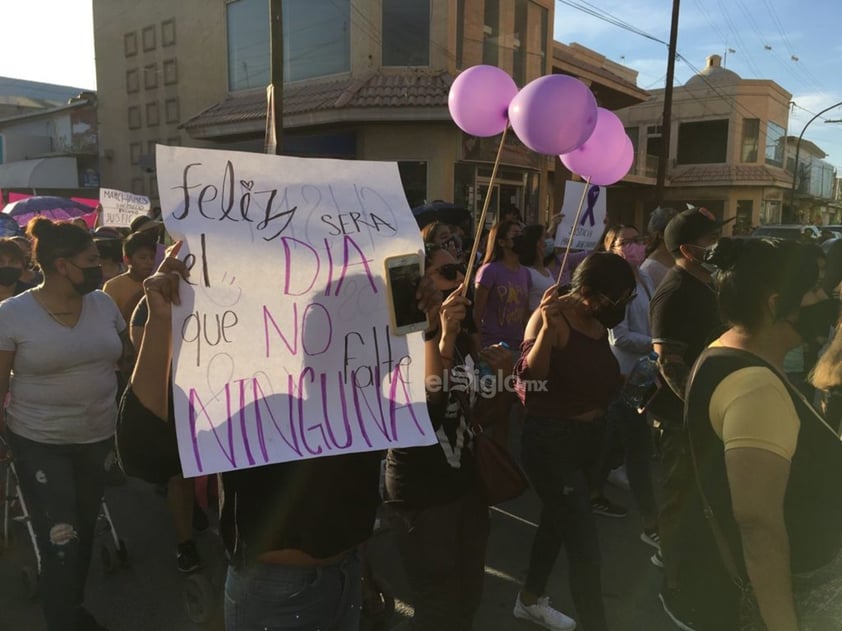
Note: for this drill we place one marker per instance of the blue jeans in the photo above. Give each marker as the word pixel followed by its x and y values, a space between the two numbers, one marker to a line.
pixel 62 486
pixel 268 597
pixel 556 455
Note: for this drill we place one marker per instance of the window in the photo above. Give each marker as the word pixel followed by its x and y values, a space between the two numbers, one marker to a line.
pixel 751 136
pixel 634 135
pixel 137 186
pixel 745 213
pixel 460 33
pixel 491 32
pixel 545 34
pixel 149 38
pixel 171 110
pixel 406 32
pixel 130 44
pixel 316 41
pixel 414 180
pixel 170 72
pixel 248 44
pixel 134 152
pixel 317 37
pixel 134 117
pixel 703 142
pixel 153 186
pixel 152 115
pixel 132 80
pixel 168 32
pixel 150 76
pixel 520 42
pixel 775 139
pixel 150 146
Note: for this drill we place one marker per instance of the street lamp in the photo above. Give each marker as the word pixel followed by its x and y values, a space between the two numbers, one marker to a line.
pixel 798 150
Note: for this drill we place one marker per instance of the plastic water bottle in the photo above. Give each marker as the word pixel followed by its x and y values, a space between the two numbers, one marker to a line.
pixel 639 385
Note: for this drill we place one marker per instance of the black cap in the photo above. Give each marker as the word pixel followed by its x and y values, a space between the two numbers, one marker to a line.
pixel 689 226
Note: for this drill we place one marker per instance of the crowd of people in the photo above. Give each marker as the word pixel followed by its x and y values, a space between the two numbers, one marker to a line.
pixel 743 519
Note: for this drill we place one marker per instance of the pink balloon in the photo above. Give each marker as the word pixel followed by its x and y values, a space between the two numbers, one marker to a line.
pixel 615 170
pixel 553 114
pixel 479 100
pixel 604 146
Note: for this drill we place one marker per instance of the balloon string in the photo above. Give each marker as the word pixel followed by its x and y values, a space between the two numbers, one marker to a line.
pixel 573 230
pixel 470 267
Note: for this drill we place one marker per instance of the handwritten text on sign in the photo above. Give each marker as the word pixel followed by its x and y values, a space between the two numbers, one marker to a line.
pixel 591 221
pixel 119 208
pixel 282 344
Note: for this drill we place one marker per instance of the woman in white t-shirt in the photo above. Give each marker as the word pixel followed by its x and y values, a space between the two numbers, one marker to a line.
pixel 59 343
pixel 531 249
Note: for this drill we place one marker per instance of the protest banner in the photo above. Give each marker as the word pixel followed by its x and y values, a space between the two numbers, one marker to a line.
pixel 119 207
pixel 591 222
pixel 282 344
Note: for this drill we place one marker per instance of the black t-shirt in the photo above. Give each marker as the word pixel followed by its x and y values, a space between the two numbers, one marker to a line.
pixel 321 506
pixel 685 310
pixel 421 477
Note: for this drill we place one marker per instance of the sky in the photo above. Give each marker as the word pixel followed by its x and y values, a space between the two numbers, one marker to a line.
pixel 52 41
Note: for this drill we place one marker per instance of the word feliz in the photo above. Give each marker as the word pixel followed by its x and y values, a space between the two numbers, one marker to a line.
pixel 277 207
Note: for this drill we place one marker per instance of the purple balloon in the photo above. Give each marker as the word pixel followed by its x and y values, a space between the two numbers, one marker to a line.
pixel 615 170
pixel 553 114
pixel 479 100
pixel 604 146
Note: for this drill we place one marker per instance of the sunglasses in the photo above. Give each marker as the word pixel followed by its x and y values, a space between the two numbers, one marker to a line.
pixel 450 271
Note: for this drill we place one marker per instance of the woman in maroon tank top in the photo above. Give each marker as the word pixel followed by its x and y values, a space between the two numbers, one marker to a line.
pixel 566 377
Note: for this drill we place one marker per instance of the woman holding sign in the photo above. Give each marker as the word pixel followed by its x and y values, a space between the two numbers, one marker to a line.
pixel 62 339
pixel 291 529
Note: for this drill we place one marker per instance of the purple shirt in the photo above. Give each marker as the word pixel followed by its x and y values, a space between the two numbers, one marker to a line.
pixel 507 308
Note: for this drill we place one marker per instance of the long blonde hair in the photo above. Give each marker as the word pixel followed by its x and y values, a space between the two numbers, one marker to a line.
pixel 828 371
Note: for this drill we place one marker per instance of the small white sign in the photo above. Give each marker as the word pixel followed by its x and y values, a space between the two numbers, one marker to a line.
pixel 119 207
pixel 592 220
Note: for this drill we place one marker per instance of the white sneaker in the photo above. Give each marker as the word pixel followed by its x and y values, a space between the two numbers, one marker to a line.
pixel 543 614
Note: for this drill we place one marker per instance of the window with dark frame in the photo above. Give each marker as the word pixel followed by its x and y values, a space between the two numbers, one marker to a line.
pixel 134 117
pixel 170 71
pixel 134 152
pixel 130 44
pixel 703 142
pixel 168 32
pixel 460 33
pixel 406 33
pixel 150 146
pixel 148 37
pixel 152 114
pixel 150 76
pixel 171 113
pixel 491 33
pixel 775 139
pixel 751 139
pixel 137 186
pixel 414 179
pixel 153 186
pixel 132 80
pixel 519 42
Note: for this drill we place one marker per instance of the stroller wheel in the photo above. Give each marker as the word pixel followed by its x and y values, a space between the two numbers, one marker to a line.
pixel 110 562
pixel 198 598
pixel 122 554
pixel 30 580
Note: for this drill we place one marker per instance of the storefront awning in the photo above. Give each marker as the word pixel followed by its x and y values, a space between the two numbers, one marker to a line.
pixel 40 173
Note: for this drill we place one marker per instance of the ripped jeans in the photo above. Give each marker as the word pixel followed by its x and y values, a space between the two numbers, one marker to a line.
pixel 62 486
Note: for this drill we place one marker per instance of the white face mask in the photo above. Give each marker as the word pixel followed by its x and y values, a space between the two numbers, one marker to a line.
pixel 699 254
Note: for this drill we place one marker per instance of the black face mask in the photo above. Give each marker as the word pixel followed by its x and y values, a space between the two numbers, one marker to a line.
pixel 91 279
pixel 814 321
pixel 9 276
pixel 609 317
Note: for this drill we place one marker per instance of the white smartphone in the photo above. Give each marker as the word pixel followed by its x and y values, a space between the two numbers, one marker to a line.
pixel 403 274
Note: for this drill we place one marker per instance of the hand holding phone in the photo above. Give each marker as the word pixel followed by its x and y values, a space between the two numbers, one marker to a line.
pixel 403 275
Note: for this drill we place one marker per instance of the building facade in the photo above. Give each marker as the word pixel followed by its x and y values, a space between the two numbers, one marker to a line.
pixel 728 150
pixel 363 79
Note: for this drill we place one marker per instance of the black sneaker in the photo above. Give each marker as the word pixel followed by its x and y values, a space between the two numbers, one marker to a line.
pixel 188 558
pixel 680 612
pixel 603 506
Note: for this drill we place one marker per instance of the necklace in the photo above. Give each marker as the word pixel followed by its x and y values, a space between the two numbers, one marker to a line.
pixel 55 315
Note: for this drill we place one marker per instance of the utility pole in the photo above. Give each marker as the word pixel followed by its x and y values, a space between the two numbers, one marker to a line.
pixel 798 151
pixel 666 125
pixel 275 90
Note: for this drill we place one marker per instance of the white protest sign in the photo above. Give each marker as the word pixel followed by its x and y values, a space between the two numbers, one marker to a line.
pixel 282 343
pixel 119 207
pixel 591 221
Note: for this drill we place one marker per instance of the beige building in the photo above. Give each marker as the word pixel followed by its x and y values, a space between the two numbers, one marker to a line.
pixel 364 79
pixel 728 149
